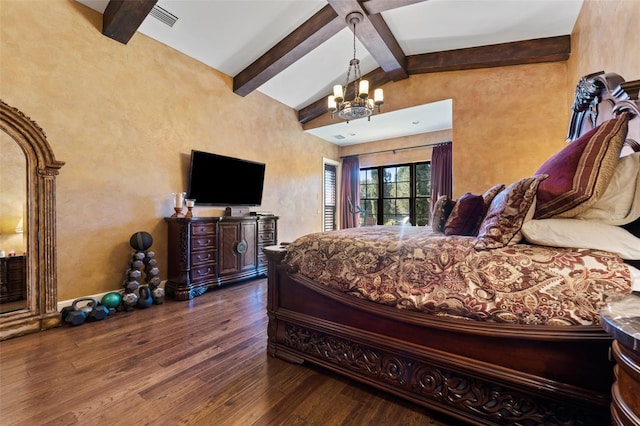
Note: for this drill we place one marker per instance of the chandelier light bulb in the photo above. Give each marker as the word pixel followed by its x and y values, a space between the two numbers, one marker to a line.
pixel 331 104
pixel 378 97
pixel 364 89
pixel 337 93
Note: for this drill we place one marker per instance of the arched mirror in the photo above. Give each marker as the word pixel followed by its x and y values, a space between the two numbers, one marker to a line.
pixel 28 283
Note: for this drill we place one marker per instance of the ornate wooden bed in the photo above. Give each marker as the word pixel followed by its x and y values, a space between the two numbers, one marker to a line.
pixel 478 371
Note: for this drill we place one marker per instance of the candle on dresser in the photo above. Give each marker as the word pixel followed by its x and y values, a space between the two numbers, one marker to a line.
pixel 179 199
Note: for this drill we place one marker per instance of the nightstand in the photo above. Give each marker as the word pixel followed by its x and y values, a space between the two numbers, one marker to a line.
pixel 621 319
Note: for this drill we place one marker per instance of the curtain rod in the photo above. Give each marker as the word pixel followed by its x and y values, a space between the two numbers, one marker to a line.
pixel 398 149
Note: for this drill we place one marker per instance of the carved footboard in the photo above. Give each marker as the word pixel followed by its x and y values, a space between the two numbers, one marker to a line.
pixel 487 374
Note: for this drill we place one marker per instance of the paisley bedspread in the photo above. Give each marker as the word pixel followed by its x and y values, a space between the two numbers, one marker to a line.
pixel 415 268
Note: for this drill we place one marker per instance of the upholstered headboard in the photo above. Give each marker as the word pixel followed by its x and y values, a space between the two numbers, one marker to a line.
pixel 601 96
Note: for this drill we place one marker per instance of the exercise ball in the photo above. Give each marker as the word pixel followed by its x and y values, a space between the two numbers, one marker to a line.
pixel 141 241
pixel 112 299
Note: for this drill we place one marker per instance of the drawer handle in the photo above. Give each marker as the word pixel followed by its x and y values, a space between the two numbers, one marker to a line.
pixel 208 271
pixel 204 243
pixel 202 258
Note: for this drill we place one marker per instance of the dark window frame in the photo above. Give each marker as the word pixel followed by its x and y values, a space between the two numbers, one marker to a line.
pixel 373 199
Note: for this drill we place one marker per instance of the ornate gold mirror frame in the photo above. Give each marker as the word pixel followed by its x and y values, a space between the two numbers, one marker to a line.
pixel 42 168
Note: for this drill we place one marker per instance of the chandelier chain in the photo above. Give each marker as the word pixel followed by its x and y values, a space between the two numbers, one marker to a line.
pixel 354 40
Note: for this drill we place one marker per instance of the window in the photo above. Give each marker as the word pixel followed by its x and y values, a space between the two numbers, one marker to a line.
pixel 369 196
pixel 422 200
pixel 329 220
pixel 396 195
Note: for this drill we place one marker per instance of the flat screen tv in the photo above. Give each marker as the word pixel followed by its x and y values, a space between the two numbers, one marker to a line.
pixel 217 180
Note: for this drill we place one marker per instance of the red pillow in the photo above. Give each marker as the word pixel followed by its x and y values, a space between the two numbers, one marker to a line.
pixel 466 216
pixel 580 172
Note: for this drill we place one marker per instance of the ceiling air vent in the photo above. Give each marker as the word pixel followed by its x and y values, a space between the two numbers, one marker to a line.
pixel 339 137
pixel 163 16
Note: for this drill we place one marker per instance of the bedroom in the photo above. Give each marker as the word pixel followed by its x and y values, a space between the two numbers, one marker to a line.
pixel 105 91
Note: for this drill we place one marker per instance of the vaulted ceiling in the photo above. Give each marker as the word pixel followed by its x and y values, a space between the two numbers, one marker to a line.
pixel 295 50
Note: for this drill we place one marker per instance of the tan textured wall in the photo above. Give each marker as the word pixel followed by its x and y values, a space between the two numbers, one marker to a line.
pixel 605 38
pixel 506 121
pixel 124 119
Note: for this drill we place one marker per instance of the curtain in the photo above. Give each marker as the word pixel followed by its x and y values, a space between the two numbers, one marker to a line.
pixel 350 193
pixel 441 172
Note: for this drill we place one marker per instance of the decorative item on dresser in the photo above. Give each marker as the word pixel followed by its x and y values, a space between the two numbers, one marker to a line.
pixel 206 252
pixel 621 319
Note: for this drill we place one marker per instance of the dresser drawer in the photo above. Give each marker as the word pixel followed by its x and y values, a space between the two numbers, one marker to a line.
pixel 266 225
pixel 203 243
pixel 266 236
pixel 203 273
pixel 201 257
pixel 203 228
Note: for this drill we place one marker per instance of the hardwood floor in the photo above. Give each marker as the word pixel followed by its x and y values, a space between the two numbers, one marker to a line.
pixel 200 362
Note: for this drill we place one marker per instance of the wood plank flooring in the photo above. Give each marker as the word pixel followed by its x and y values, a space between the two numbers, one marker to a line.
pixel 199 362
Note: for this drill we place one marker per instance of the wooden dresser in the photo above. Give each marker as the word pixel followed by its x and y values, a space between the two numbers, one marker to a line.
pixel 621 319
pixel 204 252
pixel 12 279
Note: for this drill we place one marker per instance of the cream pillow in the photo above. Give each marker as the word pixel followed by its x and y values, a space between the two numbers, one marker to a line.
pixel 620 203
pixel 576 233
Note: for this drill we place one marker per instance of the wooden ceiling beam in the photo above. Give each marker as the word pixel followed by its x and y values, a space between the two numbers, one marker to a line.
pixel 540 50
pixel 550 49
pixel 375 35
pixel 315 31
pixel 122 18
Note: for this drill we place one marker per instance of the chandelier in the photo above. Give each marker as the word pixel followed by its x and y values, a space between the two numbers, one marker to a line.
pixel 361 105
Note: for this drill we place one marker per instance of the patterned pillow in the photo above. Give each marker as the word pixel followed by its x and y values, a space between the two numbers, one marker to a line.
pixel 441 211
pixel 580 172
pixel 501 226
pixel 490 194
pixel 465 216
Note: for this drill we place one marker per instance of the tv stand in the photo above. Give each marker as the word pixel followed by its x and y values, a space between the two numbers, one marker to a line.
pixel 207 252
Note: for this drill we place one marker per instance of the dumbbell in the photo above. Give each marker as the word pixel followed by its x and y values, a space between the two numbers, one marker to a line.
pixel 92 311
pixel 72 316
pixel 98 311
pixel 75 315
